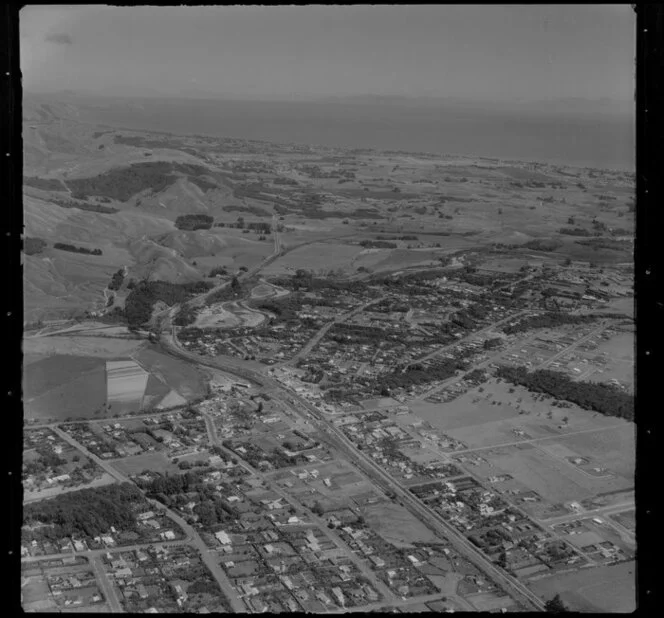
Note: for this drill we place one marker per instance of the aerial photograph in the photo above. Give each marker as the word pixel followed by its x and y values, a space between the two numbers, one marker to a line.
pixel 328 309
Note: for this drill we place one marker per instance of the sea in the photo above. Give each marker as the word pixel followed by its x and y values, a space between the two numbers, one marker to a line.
pixel 603 140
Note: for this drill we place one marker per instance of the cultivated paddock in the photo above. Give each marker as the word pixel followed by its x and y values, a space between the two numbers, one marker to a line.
pixel 125 382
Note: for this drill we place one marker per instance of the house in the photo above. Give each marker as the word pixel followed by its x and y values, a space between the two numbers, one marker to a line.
pixel 336 591
pixel 223 537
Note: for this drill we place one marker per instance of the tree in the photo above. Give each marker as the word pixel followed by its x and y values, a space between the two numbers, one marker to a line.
pixel 555 605
pixel 235 284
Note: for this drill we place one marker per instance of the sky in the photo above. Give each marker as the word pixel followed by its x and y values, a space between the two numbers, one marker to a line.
pixel 483 53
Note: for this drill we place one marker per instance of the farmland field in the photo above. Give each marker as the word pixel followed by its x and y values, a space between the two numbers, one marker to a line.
pixel 125 381
pixel 602 589
pixel 180 376
pixel 43 375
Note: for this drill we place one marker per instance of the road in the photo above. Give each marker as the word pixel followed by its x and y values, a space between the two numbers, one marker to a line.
pixel 470 336
pixel 313 342
pixel 604 511
pixel 105 584
pixel 457 378
pixel 603 325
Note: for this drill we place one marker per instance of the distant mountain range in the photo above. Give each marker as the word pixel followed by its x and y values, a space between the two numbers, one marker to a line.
pixel 557 105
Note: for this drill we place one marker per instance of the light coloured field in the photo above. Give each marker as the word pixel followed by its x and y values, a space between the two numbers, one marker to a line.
pixel 316 257
pixel 126 381
pixel 397 525
pixel 462 412
pixel 602 589
pixel 148 461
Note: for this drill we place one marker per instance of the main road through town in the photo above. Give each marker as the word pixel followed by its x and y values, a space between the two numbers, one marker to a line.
pixel 340 442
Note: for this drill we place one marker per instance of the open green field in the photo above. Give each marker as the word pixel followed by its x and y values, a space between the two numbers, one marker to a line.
pixel 316 257
pixel 603 589
pixel 534 422
pixel 397 525
pixel 148 461
pixel 554 479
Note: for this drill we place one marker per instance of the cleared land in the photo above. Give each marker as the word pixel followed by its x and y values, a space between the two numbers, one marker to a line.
pixel 397 525
pixel 148 461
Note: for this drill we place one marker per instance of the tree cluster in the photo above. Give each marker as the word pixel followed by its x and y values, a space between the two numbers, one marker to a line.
pixel 603 398
pixel 45 184
pixel 417 374
pixel 32 246
pixel 104 210
pixel 575 231
pixel 378 244
pixel 552 319
pixel 194 222
pixel 139 303
pixel 124 182
pixel 88 512
pixel 116 280
pixel 74 249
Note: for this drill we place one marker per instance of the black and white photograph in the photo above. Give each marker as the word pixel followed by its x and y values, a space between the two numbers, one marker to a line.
pixel 328 308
